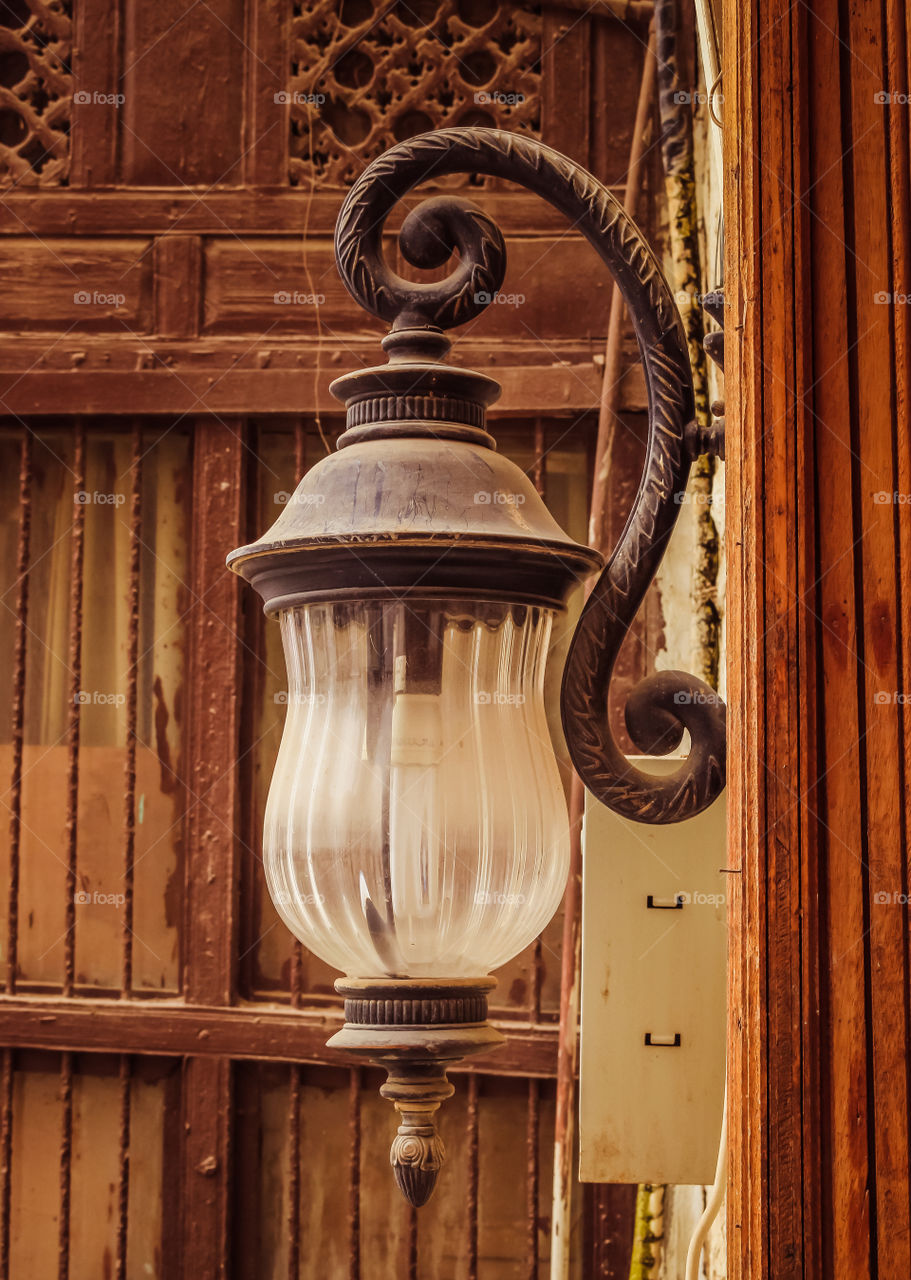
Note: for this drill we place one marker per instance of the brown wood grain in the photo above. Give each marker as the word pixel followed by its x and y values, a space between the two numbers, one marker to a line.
pixel 819 1014
pixel 155 210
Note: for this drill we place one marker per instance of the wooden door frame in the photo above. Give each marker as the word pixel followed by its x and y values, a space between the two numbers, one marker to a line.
pixel 819 441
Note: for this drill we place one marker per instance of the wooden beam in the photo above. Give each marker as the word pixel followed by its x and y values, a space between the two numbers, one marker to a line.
pixel 212 856
pixel 560 390
pixel 252 1032
pixel 135 211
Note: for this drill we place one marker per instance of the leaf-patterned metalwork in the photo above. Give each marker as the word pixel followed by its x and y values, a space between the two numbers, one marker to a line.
pixel 663 705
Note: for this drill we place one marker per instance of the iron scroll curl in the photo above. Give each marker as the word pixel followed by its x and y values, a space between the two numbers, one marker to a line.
pixel 662 706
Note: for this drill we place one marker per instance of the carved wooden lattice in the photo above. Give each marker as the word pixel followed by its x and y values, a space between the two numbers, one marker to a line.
pixel 35 91
pixel 365 76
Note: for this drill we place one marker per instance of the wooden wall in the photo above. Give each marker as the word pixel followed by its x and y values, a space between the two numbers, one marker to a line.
pixel 819 527
pixel 166 187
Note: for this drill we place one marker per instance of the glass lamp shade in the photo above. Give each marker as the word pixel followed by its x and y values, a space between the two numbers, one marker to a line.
pixel 416 825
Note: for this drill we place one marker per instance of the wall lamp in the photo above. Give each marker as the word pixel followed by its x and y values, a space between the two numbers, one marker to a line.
pixel 416 575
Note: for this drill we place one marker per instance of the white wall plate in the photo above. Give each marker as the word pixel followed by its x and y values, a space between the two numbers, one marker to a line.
pixel 653 995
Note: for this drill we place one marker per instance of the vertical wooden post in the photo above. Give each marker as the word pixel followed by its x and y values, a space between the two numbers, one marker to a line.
pixel 212 861
pixel 817 384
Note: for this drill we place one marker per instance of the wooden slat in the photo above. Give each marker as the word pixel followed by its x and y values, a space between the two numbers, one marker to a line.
pixel 265 142
pixel 178 266
pixel 212 861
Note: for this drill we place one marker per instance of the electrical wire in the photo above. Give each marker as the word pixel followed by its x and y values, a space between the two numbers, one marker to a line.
pixel 713 1203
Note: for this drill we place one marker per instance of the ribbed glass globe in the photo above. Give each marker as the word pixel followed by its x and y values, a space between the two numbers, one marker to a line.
pixel 416 823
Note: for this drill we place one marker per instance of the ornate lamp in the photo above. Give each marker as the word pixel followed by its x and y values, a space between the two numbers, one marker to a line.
pixel 416 833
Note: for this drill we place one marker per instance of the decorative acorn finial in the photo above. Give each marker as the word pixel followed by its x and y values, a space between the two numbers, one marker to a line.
pixel 417 1152
pixel 416 1030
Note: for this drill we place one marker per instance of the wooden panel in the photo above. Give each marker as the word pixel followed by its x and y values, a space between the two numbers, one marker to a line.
pixel 191 133
pixel 88 285
pixel 37 1134
pixel 96 107
pixel 551 291
pixel 178 264
pixel 818 527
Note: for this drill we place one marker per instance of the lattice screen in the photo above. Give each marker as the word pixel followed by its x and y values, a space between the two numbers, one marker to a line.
pixel 364 77
pixel 36 87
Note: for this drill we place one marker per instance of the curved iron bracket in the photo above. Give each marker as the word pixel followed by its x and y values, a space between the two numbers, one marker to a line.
pixel 663 705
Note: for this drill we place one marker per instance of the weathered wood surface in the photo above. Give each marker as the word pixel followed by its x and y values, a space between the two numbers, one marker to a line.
pixel 179 206
pixel 819 527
